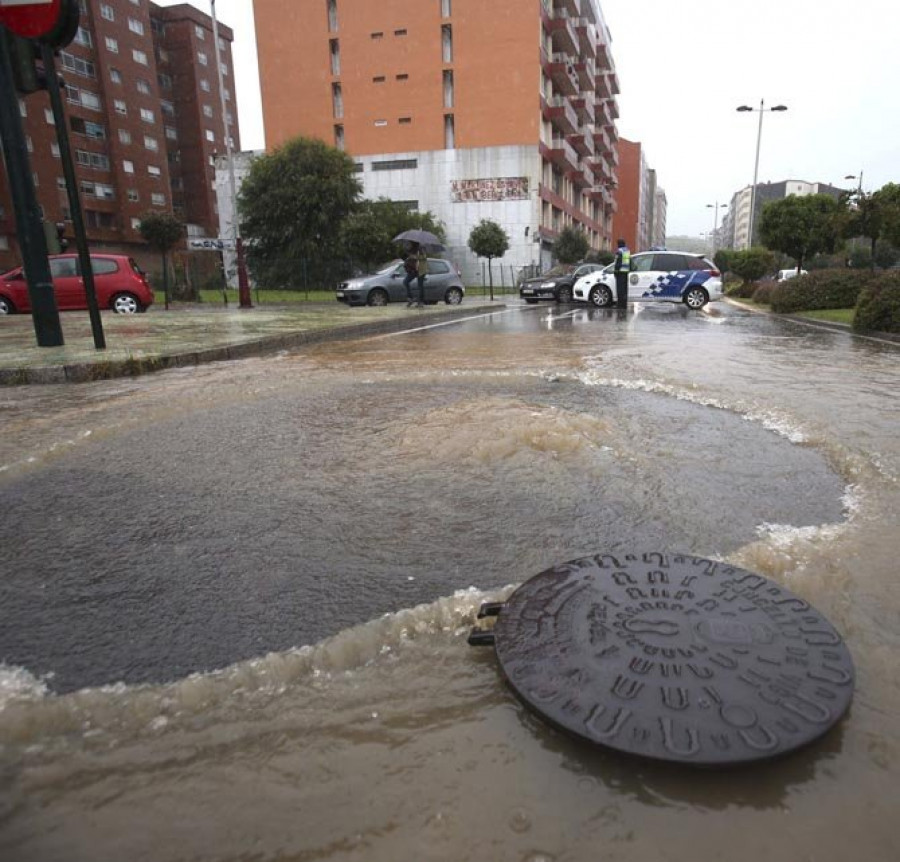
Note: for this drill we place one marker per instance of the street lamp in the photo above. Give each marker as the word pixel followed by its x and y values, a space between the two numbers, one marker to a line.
pixel 761 110
pixel 854 177
pixel 243 281
pixel 715 206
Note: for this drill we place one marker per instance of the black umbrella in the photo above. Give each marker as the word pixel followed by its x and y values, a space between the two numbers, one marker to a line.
pixel 421 237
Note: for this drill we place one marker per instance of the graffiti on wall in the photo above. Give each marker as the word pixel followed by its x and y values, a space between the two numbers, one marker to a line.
pixel 500 189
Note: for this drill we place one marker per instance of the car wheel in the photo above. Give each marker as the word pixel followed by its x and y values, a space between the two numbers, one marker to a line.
pixel 6 306
pixel 377 296
pixel 531 301
pixel 453 296
pixel 564 294
pixel 600 296
pixel 125 303
pixel 696 298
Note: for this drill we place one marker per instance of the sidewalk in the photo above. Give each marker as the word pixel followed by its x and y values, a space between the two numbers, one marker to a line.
pixel 191 334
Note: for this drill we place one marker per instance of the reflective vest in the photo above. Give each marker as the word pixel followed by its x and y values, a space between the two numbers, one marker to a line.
pixel 623 261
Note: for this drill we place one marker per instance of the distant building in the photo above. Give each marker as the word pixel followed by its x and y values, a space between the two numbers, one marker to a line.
pixel 145 120
pixel 640 217
pixel 503 110
pixel 736 226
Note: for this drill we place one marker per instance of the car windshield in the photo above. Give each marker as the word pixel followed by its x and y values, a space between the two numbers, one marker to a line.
pixel 557 270
pixel 388 267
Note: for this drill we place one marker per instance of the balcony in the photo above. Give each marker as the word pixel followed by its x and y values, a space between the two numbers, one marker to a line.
pixel 602 116
pixel 581 176
pixel 582 142
pixel 601 86
pixel 562 30
pixel 604 59
pixel 573 7
pixel 602 140
pixel 562 153
pixel 584 68
pixel 583 103
pixel 560 69
pixel 560 112
pixel 587 37
pixel 613 108
pixel 614 83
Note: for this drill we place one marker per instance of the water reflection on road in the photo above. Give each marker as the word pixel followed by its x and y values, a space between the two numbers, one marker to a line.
pixel 218 519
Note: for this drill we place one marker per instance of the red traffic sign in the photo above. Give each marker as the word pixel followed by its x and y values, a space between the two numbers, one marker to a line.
pixel 52 21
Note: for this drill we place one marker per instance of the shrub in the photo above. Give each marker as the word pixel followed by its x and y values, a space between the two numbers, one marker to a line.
pixel 741 289
pixel 878 308
pixel 825 288
pixel 763 292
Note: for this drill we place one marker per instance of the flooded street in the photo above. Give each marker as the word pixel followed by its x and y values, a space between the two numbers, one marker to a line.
pixel 235 599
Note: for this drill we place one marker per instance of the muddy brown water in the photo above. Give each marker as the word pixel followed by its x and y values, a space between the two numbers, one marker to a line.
pixel 235 599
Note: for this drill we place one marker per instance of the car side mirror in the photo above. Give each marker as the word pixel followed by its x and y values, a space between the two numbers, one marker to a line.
pixel 395 275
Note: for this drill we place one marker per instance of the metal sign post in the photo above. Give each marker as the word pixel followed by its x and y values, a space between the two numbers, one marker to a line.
pixel 65 153
pixel 30 226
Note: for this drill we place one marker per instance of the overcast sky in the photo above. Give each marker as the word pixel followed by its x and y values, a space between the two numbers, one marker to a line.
pixel 685 66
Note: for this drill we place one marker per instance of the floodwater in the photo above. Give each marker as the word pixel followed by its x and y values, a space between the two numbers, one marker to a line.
pixel 235 600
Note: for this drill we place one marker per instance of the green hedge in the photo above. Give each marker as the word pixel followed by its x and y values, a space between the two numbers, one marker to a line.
pixel 824 288
pixel 878 308
pixel 741 289
pixel 763 292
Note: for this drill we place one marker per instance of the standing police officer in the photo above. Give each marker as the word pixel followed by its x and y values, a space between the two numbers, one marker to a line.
pixel 621 268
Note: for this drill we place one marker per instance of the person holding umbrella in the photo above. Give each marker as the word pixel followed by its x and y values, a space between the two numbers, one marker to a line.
pixel 422 242
pixel 411 265
pixel 421 272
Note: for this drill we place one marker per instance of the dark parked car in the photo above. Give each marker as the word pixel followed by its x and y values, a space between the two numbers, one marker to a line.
pixel 555 284
pixel 441 284
pixel 118 281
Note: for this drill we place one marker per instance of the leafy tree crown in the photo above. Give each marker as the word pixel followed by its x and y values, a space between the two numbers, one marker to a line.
pixel 571 245
pixel 488 239
pixel 161 230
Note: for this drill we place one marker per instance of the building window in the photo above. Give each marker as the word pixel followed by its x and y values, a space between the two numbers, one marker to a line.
pixel 98 161
pixel 91 130
pixel 139 57
pixel 23 109
pixel 223 68
pixel 54 150
pixel 380 123
pixel 405 121
pixel 446 10
pixel 135 223
pixel 164 81
pixel 168 108
pixel 171 133
pixel 90 100
pixel 448 88
pixel 207 111
pixel 48 116
pixel 112 45
pixel 395 164
pixel 199 32
pixel 143 86
pixel 332 16
pixel 227 95
pixel 147 115
pixel 339 137
pixel 120 106
pixel 337 101
pixel 202 58
pixel 154 171
pixel 107 12
pixel 449 132
pixel 158 199
pixel 115 76
pixel 133 196
pixel 399 32
pixel 151 143
pixel 204 85
pixel 447 43
pixel 77 65
pixel 378 80
pixel 124 136
pixel 83 37
pixel 61 183
pixel 403 77
pixel 210 136
pixel 136 26
pixel 335 50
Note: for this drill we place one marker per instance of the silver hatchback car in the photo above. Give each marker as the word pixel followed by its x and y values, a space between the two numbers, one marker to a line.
pixel 441 284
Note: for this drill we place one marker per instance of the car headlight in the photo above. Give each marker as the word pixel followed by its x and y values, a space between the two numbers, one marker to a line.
pixel 548 284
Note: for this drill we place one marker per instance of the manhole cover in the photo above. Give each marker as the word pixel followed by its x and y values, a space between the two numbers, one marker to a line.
pixel 672 657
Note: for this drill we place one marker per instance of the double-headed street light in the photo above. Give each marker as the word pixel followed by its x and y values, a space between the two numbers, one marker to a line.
pixel 715 207
pixel 761 110
pixel 855 177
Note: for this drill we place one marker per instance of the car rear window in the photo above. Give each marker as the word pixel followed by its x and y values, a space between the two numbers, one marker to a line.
pixel 133 263
pixel 697 263
pixel 63 267
pixel 103 265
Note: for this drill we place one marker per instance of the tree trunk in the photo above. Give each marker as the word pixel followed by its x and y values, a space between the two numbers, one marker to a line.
pixel 166 279
pixel 491 279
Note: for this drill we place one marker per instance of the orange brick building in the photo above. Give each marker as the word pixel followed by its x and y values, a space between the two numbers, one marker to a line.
pixel 470 109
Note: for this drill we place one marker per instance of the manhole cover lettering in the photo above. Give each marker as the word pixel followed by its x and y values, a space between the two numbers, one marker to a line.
pixel 674 658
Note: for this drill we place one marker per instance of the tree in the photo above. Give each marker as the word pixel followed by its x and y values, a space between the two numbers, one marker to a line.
pixel 865 218
pixel 800 226
pixel 367 233
pixel 489 240
pixel 889 201
pixel 162 231
pixel 571 245
pixel 751 264
pixel 292 206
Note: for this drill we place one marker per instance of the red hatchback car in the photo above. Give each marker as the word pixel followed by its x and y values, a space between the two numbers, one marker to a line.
pixel 119 283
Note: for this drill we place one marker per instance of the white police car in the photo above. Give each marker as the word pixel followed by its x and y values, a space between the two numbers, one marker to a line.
pixel 656 276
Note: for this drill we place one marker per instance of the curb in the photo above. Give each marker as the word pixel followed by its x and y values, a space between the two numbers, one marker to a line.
pixel 84 372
